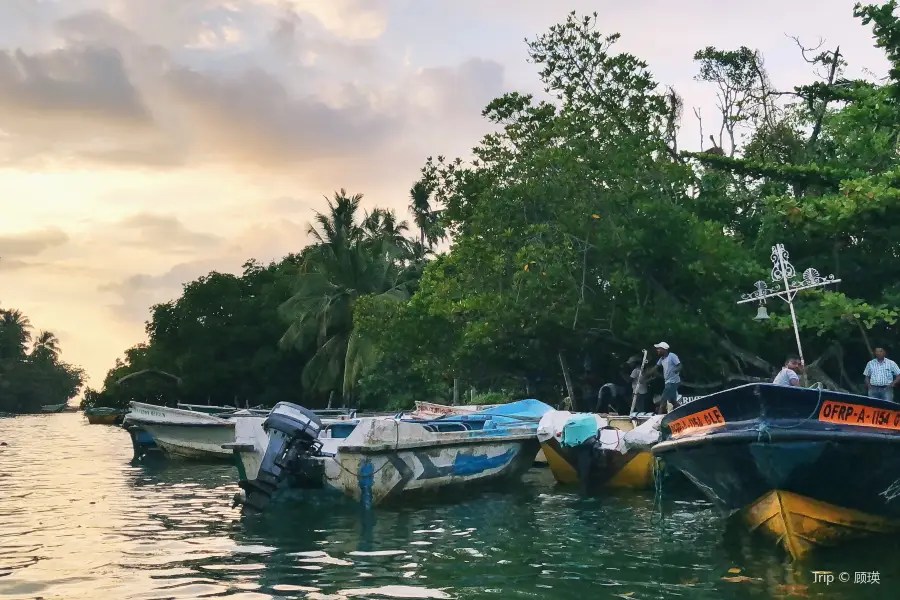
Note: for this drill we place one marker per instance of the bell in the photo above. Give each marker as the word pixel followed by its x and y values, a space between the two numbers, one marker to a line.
pixel 761 314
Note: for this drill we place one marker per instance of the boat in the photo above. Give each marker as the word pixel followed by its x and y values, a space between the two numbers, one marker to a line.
pixel 194 431
pixel 431 410
pixel 54 408
pixel 183 433
pixel 809 467
pixel 600 452
pixel 375 460
pixel 104 416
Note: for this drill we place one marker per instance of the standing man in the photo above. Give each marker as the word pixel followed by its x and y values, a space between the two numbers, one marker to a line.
pixel 671 368
pixel 788 374
pixel 882 375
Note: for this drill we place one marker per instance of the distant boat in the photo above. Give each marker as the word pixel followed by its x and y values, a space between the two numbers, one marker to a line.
pixel 53 408
pixel 104 416
pixel 377 459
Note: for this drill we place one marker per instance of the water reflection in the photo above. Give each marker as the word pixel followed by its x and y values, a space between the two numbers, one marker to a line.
pixel 78 520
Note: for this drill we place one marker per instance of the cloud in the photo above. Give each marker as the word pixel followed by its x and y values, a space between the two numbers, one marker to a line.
pixel 301 87
pixel 30 243
pixel 74 82
pixel 163 233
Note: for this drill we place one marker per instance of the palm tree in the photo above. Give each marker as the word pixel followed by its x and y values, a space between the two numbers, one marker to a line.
pixel 15 334
pixel 427 219
pixel 420 207
pixel 46 346
pixel 350 261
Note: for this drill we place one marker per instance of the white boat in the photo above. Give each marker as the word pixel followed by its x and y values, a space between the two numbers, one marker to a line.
pixel 188 433
pixel 376 459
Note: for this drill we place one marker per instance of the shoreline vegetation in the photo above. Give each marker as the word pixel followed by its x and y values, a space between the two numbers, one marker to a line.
pixel 31 372
pixel 581 233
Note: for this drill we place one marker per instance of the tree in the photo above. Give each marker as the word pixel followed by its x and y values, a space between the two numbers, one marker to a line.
pixel 31 377
pixel 350 261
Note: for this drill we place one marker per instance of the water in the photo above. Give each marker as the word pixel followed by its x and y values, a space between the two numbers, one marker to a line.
pixel 77 520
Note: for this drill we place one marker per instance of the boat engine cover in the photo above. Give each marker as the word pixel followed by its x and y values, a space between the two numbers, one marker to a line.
pixel 293 421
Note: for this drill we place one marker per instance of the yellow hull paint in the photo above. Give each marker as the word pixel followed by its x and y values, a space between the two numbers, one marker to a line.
pixel 801 524
pixel 102 419
pixel 564 472
pixel 637 474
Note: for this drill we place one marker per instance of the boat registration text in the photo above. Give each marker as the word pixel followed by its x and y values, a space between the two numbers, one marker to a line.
pixel 710 417
pixel 857 414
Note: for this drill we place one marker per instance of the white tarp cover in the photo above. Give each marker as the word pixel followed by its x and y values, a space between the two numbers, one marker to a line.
pixel 642 437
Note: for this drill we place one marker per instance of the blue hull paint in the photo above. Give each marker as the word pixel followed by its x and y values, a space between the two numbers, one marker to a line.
pixel 469 464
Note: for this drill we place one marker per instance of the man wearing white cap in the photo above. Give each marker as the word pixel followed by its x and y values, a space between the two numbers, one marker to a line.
pixel 671 367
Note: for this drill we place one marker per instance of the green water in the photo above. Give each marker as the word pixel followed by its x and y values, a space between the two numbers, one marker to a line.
pixel 77 520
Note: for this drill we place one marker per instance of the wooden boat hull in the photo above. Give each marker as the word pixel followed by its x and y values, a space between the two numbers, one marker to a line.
pixel 185 434
pixel 375 478
pixel 104 416
pixel 104 419
pixel 782 460
pixel 53 408
pixel 594 472
pixel 141 442
pixel 376 460
pixel 611 470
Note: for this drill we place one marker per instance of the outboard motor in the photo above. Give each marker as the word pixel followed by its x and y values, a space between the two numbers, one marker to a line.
pixel 293 434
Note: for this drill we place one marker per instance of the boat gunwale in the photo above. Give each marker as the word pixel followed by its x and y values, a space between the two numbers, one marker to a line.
pixel 774 434
pixel 136 420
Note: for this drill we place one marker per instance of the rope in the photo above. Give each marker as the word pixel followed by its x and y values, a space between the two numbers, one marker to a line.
pixel 657 516
pixel 765 427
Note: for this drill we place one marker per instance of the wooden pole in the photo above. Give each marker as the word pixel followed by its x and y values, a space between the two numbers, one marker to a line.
pixel 571 390
pixel 455 391
pixel 640 375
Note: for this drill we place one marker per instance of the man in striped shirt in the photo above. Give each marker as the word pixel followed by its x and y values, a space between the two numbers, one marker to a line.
pixel 882 375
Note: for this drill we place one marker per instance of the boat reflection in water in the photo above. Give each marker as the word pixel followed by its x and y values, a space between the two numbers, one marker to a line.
pixel 809 467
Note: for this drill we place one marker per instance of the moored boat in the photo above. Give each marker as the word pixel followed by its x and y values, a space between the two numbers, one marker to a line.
pixel 53 408
pixel 104 416
pixel 184 433
pixel 600 452
pixel 809 467
pixel 377 459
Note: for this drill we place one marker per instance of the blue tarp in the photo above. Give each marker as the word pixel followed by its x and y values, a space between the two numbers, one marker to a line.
pixel 577 429
pixel 508 415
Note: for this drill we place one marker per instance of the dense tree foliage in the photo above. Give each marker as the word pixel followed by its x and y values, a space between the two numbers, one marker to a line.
pixel 581 234
pixel 31 373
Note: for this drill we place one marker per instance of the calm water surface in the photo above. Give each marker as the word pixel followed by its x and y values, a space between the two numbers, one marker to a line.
pixel 78 520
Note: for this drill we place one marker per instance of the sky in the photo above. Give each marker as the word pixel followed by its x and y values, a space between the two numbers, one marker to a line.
pixel 144 143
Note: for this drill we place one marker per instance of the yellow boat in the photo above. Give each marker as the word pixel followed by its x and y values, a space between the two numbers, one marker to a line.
pixel 604 468
pixel 104 416
pixel 801 524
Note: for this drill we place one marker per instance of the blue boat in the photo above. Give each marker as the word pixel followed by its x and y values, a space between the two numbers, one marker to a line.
pixel 375 460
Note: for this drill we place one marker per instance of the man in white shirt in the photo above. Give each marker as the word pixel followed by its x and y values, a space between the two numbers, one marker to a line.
pixel 788 374
pixel 882 376
pixel 671 368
